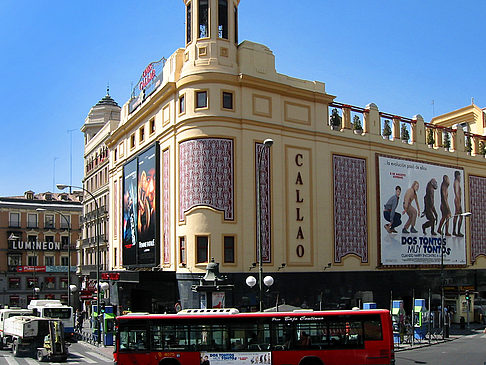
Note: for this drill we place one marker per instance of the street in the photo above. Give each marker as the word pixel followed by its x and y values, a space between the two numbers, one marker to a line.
pixel 79 353
pixel 465 350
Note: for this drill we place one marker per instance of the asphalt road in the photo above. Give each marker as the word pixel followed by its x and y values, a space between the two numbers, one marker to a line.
pixel 78 354
pixel 466 350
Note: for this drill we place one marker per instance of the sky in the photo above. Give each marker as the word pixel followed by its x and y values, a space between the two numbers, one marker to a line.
pixel 57 58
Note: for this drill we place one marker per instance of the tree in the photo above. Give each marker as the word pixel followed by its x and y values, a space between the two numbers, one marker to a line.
pixel 447 140
pixel 357 123
pixel 387 129
pixel 430 137
pixel 404 133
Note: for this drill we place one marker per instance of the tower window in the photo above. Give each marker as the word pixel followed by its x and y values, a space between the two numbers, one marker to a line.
pixel 188 23
pixel 227 100
pixel 182 250
pixel 201 99
pixel 152 125
pixel 223 19
pixel 236 24
pixel 182 104
pixel 229 249
pixel 203 19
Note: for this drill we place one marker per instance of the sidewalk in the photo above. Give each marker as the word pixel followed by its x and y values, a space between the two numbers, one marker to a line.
pixel 455 333
pixel 85 337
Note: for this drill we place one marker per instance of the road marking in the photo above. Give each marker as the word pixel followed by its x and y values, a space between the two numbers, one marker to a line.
pixel 82 358
pixel 31 361
pixel 10 360
pixel 98 356
pixel 483 336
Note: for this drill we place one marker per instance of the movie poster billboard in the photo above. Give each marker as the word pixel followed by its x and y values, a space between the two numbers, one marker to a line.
pixel 140 243
pixel 417 201
pixel 146 219
pixel 130 200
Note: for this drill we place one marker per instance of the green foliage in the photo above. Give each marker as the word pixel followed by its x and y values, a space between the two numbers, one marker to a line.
pixel 404 132
pixel 430 137
pixel 335 119
pixel 482 148
pixel 447 140
pixel 468 144
pixel 357 123
pixel 387 129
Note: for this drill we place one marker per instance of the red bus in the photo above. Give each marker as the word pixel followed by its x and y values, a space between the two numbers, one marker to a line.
pixel 225 336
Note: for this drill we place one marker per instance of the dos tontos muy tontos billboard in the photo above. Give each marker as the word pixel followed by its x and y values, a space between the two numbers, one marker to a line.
pixel 417 202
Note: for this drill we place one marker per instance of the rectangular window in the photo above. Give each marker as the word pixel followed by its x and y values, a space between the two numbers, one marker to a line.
pixel 229 249
pixel 32 282
pixel 14 220
pixel 63 283
pixel 31 238
pixel 14 283
pixel 32 260
pixel 49 221
pixel 49 260
pixel 201 99
pixel 182 104
pixel 115 257
pixel 202 249
pixel 14 260
pixel 223 19
pixel 64 261
pixel 141 134
pixel 182 250
pixel 227 100
pixel 152 125
pixel 132 141
pixel 64 242
pixel 65 221
pixel 31 220
pixel 49 238
pixel 203 19
pixel 188 23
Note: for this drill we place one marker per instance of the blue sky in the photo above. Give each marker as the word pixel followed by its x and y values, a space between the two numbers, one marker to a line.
pixel 58 56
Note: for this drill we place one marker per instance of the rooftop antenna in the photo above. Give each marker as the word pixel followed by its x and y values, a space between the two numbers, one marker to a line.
pixel 54 174
pixel 70 131
pixel 472 101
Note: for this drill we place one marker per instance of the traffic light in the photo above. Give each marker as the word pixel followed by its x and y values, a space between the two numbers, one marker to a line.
pixel 468 296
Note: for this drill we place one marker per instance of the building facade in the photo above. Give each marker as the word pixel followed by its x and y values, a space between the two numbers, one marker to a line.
pixel 101 120
pixel 192 180
pixel 38 235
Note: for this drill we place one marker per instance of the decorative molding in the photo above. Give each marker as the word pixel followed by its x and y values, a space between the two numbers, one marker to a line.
pixel 206 175
pixel 166 204
pixel 477 206
pixel 350 208
pixel 265 203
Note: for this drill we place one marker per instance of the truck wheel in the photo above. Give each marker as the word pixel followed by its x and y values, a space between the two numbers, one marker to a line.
pixel 15 349
pixel 40 356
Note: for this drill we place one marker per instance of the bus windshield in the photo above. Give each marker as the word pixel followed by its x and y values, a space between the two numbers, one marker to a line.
pixel 61 313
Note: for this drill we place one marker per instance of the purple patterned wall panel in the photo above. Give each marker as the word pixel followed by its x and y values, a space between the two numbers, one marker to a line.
pixel 477 206
pixel 166 204
pixel 350 214
pixel 206 175
pixel 265 204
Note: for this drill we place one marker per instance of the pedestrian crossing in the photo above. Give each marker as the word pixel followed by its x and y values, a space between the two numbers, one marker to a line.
pixel 74 358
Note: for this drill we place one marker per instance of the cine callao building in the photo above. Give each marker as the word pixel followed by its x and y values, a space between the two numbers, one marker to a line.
pixel 348 205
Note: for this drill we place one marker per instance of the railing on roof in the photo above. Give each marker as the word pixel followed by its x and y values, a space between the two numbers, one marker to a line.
pixel 395 127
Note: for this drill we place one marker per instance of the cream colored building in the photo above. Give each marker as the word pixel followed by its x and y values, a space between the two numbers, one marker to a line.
pixel 203 118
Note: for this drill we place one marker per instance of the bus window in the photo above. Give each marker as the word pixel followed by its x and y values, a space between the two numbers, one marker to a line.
pixel 311 335
pixel 209 337
pixel 372 330
pixel 176 337
pixel 282 336
pixel 60 313
pixel 133 339
pixel 347 333
pixel 254 337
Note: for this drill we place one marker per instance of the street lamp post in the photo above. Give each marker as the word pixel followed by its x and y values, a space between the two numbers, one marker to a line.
pixel 266 145
pixel 466 214
pixel 97 234
pixel 68 249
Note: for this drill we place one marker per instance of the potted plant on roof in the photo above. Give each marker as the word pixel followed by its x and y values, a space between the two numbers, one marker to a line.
pixel 404 133
pixel 357 127
pixel 387 130
pixel 468 145
pixel 335 120
pixel 482 149
pixel 430 138
pixel 447 141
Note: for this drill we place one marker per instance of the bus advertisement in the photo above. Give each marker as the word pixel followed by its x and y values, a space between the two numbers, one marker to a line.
pixel 225 336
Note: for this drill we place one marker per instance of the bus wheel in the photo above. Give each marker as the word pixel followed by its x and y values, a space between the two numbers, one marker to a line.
pixel 311 361
pixel 40 356
pixel 15 348
pixel 169 362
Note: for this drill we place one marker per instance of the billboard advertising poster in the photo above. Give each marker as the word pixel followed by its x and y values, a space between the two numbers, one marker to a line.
pixel 146 217
pixel 418 201
pixel 130 213
pixel 237 358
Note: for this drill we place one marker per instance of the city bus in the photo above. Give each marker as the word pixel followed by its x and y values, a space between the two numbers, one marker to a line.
pixel 54 309
pixel 225 336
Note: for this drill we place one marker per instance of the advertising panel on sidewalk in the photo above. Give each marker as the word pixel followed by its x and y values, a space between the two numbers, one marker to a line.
pixel 418 201
pixel 236 358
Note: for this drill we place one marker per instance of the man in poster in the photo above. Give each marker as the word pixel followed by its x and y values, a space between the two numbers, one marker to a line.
pixel 458 205
pixel 410 197
pixel 389 212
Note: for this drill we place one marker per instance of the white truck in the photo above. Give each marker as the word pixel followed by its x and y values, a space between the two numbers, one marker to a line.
pixel 7 313
pixel 39 337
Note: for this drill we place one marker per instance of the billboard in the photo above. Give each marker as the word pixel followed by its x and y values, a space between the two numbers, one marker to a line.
pixel 139 214
pixel 417 202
